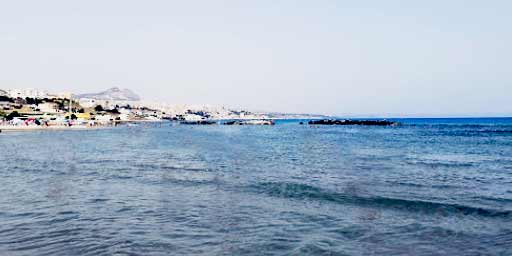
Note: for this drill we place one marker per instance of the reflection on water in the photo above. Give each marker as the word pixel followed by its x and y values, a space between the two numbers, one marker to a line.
pixel 428 187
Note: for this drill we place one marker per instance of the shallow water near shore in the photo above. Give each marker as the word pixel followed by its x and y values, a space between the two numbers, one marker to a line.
pixel 427 187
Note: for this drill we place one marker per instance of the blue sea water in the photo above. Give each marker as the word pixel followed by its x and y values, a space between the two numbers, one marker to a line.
pixel 427 187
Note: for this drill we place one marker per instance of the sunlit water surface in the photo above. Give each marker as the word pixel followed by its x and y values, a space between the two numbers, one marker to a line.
pixel 431 186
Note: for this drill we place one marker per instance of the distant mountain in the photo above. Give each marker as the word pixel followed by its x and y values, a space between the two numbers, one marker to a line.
pixel 113 93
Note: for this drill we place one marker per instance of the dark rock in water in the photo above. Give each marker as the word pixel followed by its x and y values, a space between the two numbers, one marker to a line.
pixel 249 122
pixel 233 123
pixel 301 123
pixel 352 122
pixel 200 122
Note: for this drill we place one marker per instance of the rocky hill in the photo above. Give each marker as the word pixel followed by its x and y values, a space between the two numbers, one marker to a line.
pixel 113 93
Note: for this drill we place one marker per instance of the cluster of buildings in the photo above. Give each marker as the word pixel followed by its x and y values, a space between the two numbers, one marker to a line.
pixel 112 105
pixel 32 93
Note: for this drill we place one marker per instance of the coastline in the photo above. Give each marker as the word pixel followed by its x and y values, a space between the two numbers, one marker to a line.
pixel 13 128
pixel 50 128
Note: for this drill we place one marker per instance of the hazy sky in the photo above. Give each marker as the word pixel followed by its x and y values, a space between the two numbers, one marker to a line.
pixel 447 57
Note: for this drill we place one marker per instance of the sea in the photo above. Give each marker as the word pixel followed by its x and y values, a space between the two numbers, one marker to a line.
pixel 425 187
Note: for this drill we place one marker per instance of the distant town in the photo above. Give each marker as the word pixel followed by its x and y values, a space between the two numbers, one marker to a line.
pixel 34 107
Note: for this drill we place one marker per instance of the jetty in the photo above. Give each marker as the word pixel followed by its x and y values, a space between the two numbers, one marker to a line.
pixel 353 122
pixel 227 122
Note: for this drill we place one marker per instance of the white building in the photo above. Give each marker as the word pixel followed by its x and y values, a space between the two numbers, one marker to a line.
pixel 106 104
pixel 48 107
pixel 88 103
pixel 61 95
pixel 27 92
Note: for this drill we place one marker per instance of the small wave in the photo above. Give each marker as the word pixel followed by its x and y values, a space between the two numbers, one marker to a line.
pixel 460 125
pixel 496 131
pixel 439 164
pixel 463 130
pixel 416 185
pixel 303 191
pixel 465 133
pixel 153 166
pixel 444 161
pixel 188 181
pixel 99 200
pixel 189 169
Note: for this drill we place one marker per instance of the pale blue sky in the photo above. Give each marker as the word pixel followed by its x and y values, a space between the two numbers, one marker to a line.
pixel 421 58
